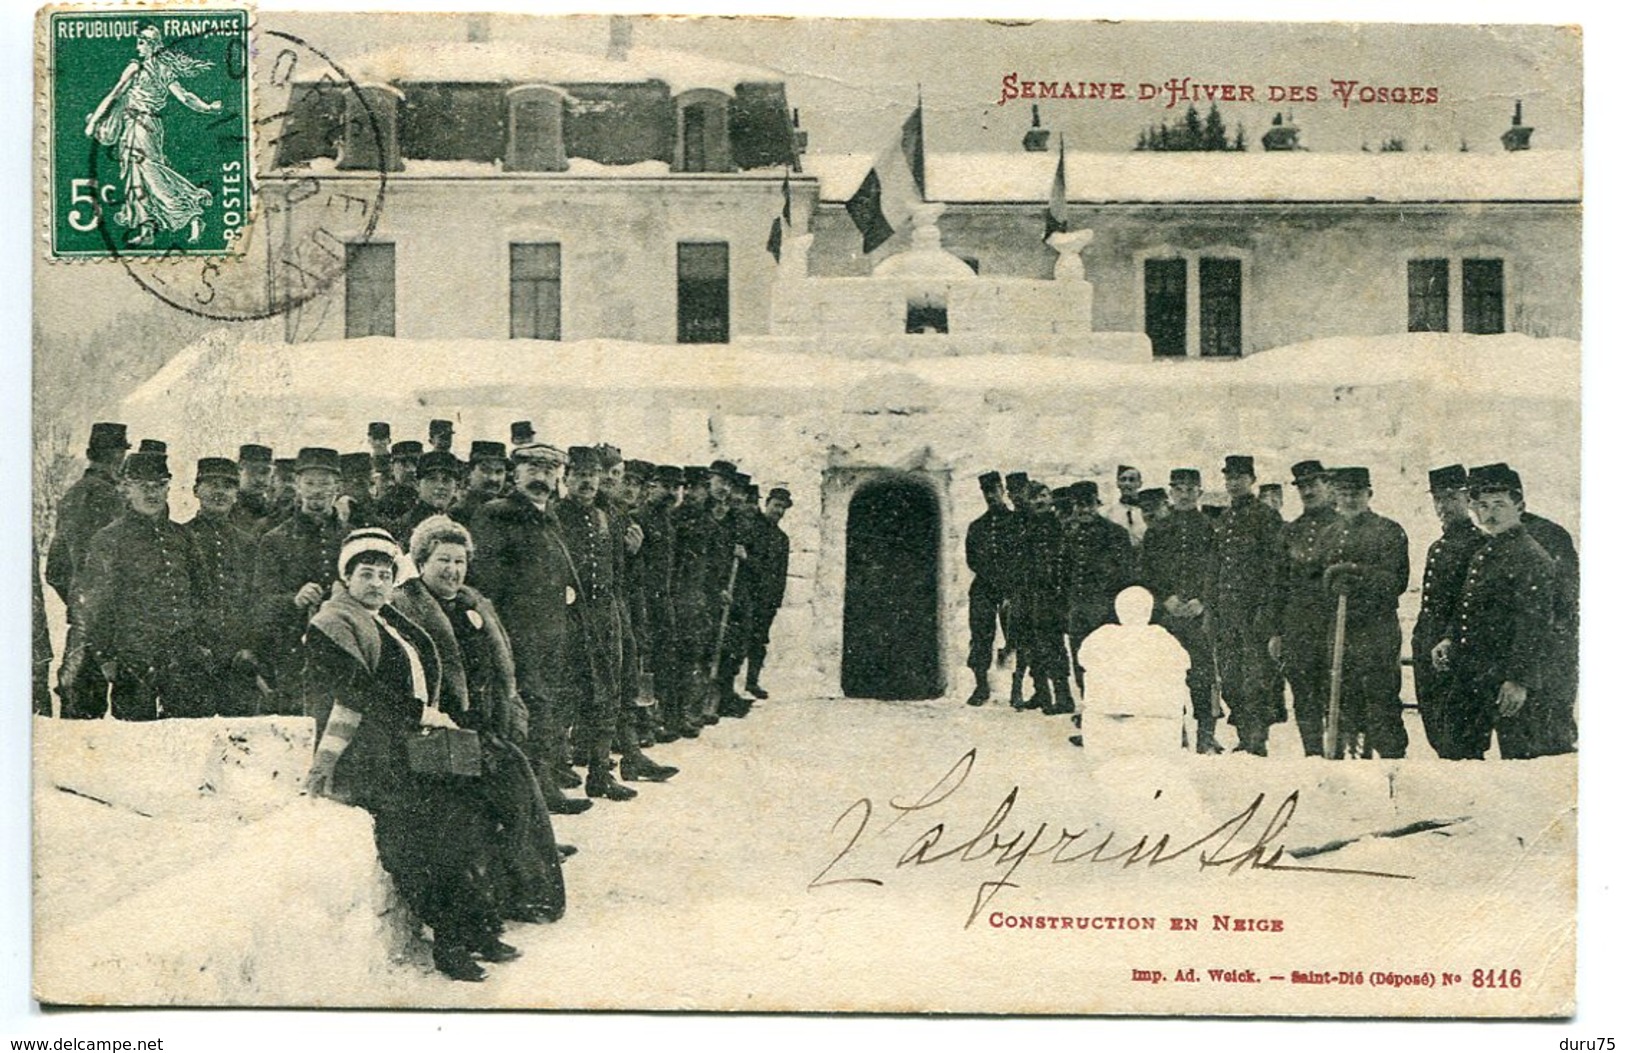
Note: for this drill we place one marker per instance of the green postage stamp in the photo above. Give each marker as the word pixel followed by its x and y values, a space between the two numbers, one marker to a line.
pixel 149 132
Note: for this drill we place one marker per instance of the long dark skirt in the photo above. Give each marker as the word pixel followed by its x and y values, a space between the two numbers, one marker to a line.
pixel 435 839
pixel 527 875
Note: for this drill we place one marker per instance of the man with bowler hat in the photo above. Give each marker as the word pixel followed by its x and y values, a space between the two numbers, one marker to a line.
pixel 1443 576
pixel 90 504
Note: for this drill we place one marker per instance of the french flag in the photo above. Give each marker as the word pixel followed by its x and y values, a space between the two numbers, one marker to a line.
pixel 893 187
pixel 1057 217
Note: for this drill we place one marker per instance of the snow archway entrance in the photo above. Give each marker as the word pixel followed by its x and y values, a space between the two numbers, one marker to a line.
pixel 892 609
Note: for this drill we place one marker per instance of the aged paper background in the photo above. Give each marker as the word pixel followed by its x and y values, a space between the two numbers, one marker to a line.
pixel 1597 731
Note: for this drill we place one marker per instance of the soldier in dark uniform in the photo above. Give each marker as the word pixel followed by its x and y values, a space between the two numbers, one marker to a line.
pixel 90 504
pixel 294 565
pixel 378 447
pixel 1442 580
pixel 140 603
pixel 355 502
pixel 772 573
pixel 224 568
pixel 440 436
pixel 986 544
pixel 1562 673
pixel 661 494
pixel 705 562
pixel 487 475
pixel 1304 645
pixel 1271 495
pixel 525 570
pixel 401 492
pixel 254 471
pixel 1018 609
pixel 589 536
pixel 282 500
pixel 1044 580
pixel 1244 607
pixel 1176 562
pixel 1099 561
pixel 744 525
pixel 1498 653
pixel 1368 560
pixel 438 474
pixel 1154 504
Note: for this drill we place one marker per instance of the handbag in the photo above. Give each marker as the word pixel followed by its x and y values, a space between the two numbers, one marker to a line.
pixel 444 751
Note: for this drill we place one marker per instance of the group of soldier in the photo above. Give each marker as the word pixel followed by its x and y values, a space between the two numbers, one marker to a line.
pixel 633 594
pixel 1260 604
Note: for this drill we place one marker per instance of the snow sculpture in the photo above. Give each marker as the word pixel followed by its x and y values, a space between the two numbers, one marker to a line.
pixel 1135 677
pixel 1070 245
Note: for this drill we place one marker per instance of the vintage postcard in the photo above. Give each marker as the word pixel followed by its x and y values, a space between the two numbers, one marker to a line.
pixel 805 515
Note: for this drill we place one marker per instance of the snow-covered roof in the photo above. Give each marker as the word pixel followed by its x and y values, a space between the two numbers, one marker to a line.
pixel 1298 176
pixel 507 62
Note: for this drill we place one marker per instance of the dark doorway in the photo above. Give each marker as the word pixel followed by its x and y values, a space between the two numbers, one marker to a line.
pixel 889 645
pixel 1165 306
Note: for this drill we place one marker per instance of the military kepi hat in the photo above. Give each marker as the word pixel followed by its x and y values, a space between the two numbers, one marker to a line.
pixel 409 450
pixel 1185 477
pixel 486 450
pixel 147 467
pixel 988 480
pixel 1153 495
pixel 438 428
pixel 668 475
pixel 107 436
pixel 379 430
pixel 1494 478
pixel 1086 493
pixel 222 468
pixel 584 458
pixel 521 433
pixel 779 493
pixel 726 469
pixel 1307 471
pixel 1356 478
pixel 253 453
pixel 317 459
pixel 1016 482
pixel 355 465
pixel 1447 479
pixel 153 446
pixel 439 461
pixel 1238 464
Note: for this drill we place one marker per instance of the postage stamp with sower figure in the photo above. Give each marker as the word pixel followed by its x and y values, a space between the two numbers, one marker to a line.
pixel 150 151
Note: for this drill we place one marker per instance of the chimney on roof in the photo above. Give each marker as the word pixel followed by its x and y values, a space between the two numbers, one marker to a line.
pixel 1283 134
pixel 1036 141
pixel 801 136
pixel 1517 136
pixel 478 28
pixel 620 37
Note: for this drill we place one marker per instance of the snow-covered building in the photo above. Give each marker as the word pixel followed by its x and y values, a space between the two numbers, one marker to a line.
pixel 553 224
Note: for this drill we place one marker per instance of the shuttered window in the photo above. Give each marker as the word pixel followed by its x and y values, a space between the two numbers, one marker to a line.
pixel 1429 285
pixel 1483 296
pixel 533 291
pixel 702 292
pixel 369 289
pixel 1165 306
pixel 1220 281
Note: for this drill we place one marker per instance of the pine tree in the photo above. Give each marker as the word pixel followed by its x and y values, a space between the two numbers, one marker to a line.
pixel 1213 134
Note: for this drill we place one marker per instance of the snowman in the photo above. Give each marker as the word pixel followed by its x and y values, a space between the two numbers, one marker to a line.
pixel 1137 691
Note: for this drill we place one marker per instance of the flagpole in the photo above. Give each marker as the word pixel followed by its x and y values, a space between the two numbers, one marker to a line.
pixel 919 107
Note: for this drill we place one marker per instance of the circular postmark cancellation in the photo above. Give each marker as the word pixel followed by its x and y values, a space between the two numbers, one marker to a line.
pixel 298 226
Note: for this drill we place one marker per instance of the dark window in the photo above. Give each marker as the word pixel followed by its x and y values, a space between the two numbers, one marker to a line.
pixel 369 289
pixel 1483 296
pixel 1165 306
pixel 535 131
pixel 1220 286
pixel 1429 282
pixel 533 291
pixel 694 138
pixel 702 292
pixel 924 317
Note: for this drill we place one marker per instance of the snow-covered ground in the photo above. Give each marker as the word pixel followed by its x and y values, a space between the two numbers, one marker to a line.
pixel 176 863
